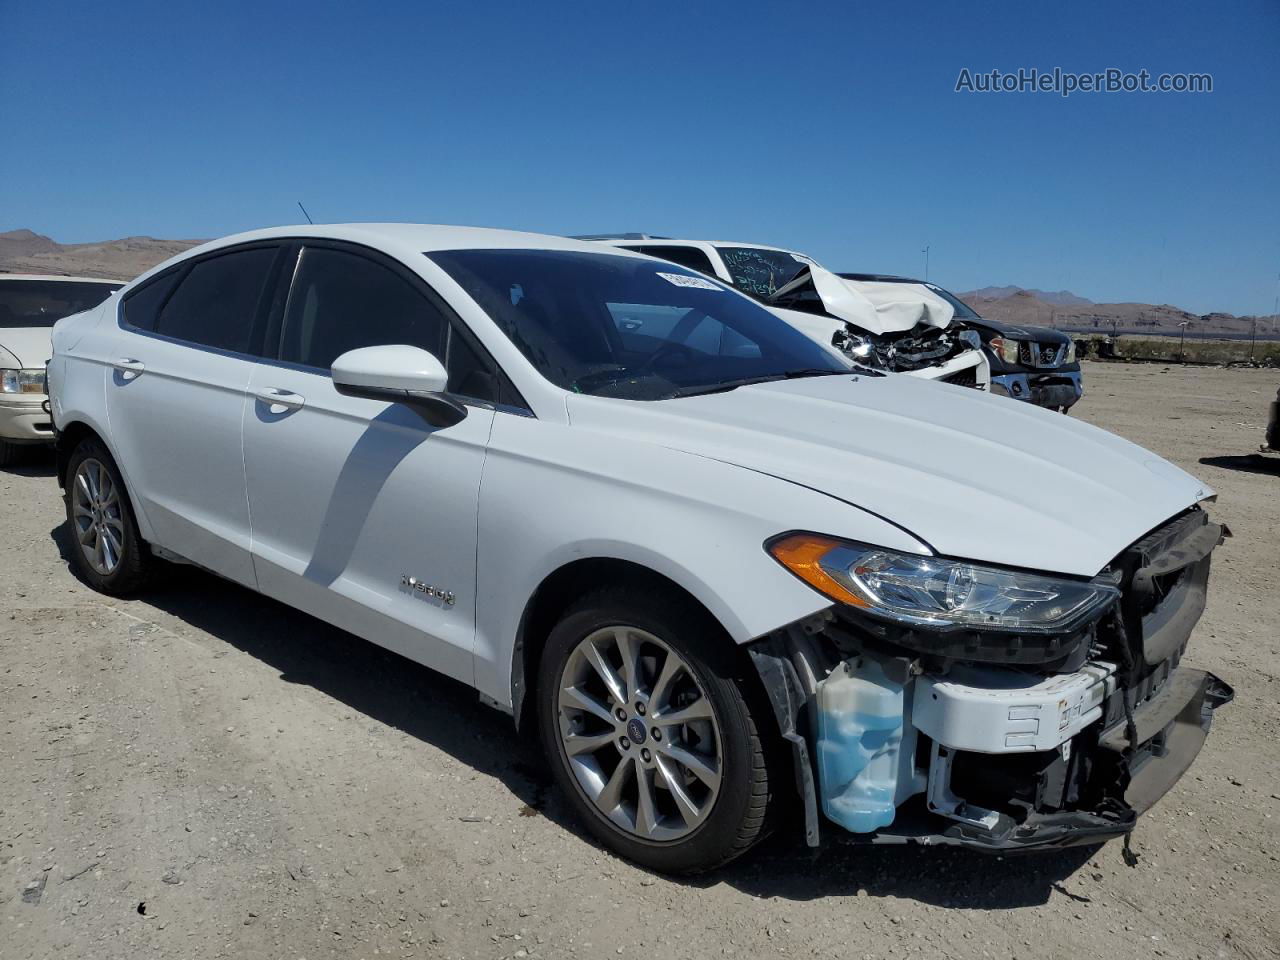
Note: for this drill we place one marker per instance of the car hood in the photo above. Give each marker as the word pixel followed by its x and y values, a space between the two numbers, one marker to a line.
pixel 1020 332
pixel 878 308
pixel 29 346
pixel 972 475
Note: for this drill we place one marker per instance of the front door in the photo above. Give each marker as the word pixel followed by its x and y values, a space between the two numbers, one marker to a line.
pixel 362 513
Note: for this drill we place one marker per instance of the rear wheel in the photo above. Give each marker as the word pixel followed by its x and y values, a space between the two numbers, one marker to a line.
pixel 10 453
pixel 106 550
pixel 644 720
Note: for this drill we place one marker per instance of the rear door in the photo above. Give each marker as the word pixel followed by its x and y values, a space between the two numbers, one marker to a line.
pixel 189 342
pixel 364 514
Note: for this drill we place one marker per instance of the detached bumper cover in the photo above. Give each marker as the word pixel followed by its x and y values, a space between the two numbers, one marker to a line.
pixel 1171 727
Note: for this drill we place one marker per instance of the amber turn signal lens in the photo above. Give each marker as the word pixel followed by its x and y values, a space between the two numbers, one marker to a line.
pixel 801 553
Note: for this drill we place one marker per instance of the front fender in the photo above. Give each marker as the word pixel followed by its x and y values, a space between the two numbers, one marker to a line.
pixel 552 494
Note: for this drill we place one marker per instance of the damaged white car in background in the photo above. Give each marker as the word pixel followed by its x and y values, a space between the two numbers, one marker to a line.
pixel 885 326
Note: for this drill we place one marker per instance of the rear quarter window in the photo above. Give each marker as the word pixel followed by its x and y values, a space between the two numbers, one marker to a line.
pixel 142 306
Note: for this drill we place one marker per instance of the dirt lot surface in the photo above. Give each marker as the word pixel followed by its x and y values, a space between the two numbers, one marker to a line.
pixel 205 773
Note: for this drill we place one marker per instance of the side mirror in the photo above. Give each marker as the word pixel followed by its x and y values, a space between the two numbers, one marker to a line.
pixel 398 373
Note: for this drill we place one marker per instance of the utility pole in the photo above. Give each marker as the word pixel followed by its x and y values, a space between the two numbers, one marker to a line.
pixel 925 251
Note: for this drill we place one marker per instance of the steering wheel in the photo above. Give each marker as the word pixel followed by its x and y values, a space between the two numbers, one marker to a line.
pixel 669 348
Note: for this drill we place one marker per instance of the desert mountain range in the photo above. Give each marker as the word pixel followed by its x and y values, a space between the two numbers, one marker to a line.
pixel 24 251
pixel 1028 307
pixel 1059 298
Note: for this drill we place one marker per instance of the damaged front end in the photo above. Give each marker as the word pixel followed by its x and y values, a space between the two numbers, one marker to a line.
pixel 905 730
pixel 922 349
pixel 895 328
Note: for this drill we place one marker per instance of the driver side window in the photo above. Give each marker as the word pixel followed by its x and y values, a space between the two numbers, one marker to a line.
pixel 341 301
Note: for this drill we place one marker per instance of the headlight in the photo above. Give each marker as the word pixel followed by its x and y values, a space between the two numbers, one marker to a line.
pixel 1004 348
pixel 1070 355
pixel 935 593
pixel 22 381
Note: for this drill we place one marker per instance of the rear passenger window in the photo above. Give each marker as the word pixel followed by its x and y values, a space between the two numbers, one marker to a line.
pixel 143 305
pixel 342 301
pixel 217 301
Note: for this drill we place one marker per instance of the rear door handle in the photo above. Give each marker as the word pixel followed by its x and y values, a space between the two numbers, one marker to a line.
pixel 129 368
pixel 278 401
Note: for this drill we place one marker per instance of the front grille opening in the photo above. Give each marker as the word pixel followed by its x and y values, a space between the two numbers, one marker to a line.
pixel 963 378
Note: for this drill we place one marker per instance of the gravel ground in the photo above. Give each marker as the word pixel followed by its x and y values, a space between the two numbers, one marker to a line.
pixel 205 773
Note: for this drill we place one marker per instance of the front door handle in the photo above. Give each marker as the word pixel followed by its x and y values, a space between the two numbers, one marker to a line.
pixel 278 401
pixel 129 368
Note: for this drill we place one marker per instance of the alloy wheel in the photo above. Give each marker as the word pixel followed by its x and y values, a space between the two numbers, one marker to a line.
pixel 639 733
pixel 96 514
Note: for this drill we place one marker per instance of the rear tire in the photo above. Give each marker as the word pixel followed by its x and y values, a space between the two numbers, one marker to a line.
pixel 663 762
pixel 10 453
pixel 107 552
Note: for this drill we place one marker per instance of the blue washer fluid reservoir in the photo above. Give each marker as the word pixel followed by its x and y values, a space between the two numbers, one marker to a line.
pixel 860 721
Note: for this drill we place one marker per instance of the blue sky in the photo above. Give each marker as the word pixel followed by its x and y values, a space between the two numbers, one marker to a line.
pixel 834 129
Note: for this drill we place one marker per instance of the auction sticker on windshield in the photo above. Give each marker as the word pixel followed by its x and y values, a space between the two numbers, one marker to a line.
pixel 683 280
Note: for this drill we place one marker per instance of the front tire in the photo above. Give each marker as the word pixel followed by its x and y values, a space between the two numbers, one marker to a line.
pixel 643 718
pixel 107 552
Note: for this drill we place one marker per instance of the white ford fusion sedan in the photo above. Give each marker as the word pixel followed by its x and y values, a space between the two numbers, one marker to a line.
pixel 738 583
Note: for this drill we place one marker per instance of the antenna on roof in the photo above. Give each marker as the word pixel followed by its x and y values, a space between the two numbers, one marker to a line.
pixel 305 214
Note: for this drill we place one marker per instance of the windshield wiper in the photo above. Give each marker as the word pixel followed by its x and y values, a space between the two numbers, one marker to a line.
pixel 748 381
pixel 601 378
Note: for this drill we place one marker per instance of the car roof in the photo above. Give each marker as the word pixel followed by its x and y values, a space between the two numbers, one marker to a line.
pixel 649 240
pixel 405 240
pixel 617 236
pixel 422 237
pixel 60 279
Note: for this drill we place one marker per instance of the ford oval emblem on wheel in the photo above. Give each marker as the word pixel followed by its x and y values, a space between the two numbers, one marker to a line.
pixel 636 731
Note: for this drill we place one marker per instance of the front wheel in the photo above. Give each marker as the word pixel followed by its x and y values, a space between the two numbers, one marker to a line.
pixel 643 717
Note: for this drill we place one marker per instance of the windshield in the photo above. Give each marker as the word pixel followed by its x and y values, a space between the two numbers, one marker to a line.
pixel 963 310
pixel 761 272
pixel 623 326
pixel 42 303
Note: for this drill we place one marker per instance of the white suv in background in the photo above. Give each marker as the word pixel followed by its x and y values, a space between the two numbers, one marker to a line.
pixel 737 583
pixel 892 328
pixel 29 307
